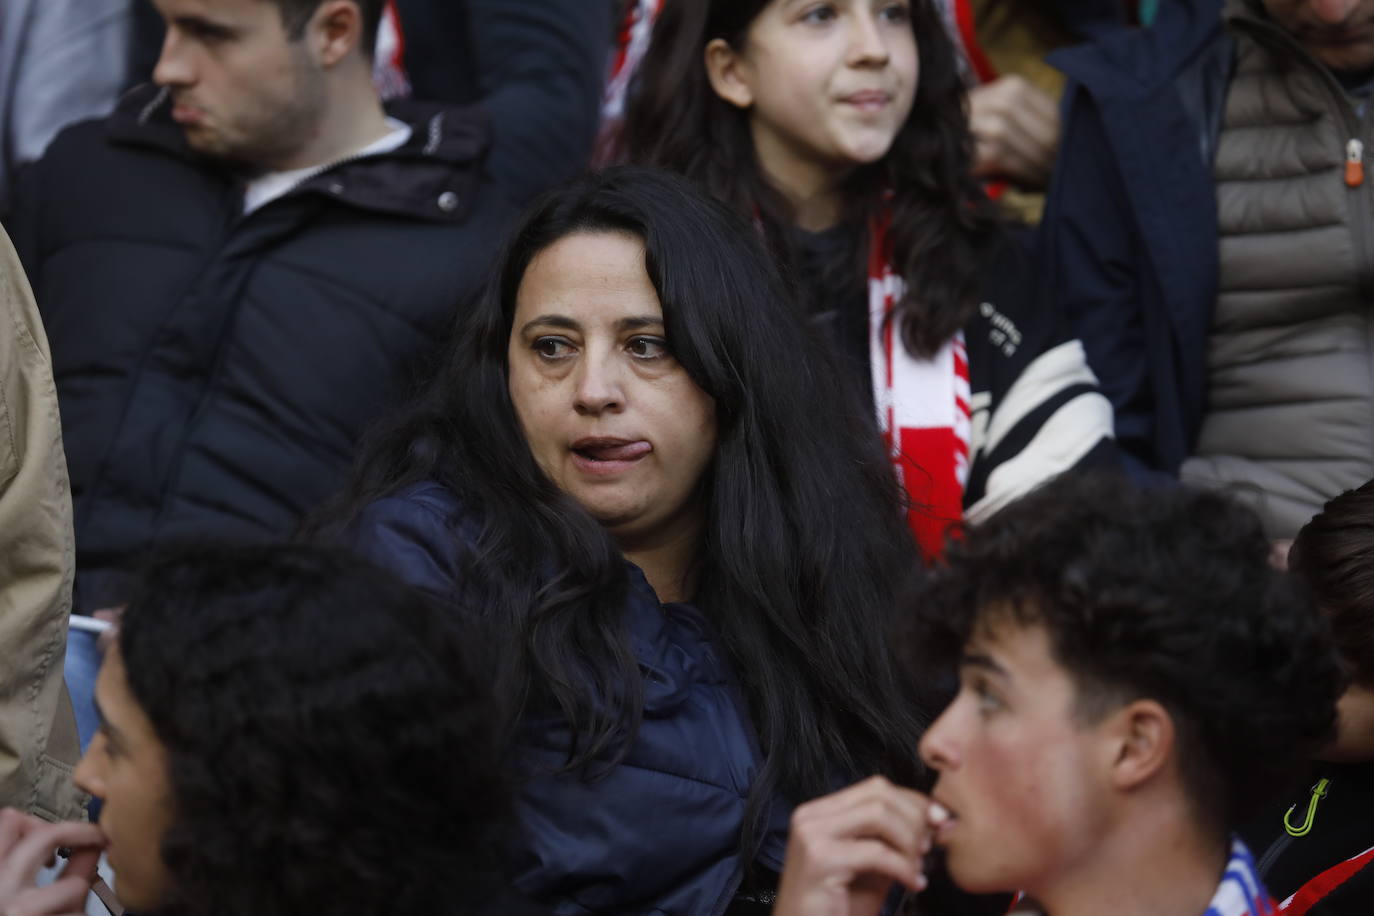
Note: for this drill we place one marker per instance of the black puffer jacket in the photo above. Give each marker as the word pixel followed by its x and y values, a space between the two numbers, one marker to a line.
pixel 215 370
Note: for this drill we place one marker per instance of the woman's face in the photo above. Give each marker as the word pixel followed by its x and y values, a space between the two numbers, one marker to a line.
pixel 126 768
pixel 828 83
pixel 609 414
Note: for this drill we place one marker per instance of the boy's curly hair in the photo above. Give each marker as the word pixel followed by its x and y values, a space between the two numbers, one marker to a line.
pixel 1166 594
pixel 330 745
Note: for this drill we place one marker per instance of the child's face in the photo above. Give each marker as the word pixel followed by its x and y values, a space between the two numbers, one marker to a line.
pixel 126 768
pixel 827 83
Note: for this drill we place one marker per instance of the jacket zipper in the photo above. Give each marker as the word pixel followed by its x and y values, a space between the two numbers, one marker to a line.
pixel 1354 146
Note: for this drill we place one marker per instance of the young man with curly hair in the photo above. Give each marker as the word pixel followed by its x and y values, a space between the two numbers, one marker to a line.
pixel 1134 677
pixel 284 731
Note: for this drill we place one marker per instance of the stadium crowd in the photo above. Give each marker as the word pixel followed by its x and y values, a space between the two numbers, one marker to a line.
pixel 687 457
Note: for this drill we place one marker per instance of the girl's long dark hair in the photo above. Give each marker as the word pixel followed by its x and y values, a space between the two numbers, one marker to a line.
pixel 805 554
pixel 942 223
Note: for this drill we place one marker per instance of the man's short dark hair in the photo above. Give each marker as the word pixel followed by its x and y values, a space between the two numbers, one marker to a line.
pixel 1334 554
pixel 296 13
pixel 331 744
pixel 1166 594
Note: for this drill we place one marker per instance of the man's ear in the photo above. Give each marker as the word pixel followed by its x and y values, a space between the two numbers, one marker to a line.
pixel 727 74
pixel 1143 739
pixel 335 30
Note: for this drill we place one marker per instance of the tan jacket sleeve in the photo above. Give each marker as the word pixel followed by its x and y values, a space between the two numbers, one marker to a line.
pixel 38 743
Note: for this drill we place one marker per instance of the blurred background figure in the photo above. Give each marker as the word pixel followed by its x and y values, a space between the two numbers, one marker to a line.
pixel 536 66
pixel 285 730
pixel 38 739
pixel 1208 230
pixel 252 257
pixel 1014 92
pixel 61 61
pixel 1315 844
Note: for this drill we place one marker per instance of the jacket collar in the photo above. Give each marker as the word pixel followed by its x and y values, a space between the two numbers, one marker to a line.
pixel 431 176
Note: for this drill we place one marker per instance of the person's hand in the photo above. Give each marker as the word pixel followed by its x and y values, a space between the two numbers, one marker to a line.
pixel 26 844
pixel 112 616
pixel 846 850
pixel 1015 129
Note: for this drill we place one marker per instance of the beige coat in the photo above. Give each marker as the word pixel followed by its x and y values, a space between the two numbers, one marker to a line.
pixel 38 743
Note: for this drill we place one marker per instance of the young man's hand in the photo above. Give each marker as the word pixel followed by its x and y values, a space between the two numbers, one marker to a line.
pixel 846 850
pixel 26 844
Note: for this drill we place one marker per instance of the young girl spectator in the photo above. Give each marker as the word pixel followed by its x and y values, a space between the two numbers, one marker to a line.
pixel 634 468
pixel 839 127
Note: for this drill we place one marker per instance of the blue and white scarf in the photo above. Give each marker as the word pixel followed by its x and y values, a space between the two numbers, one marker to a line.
pixel 1241 893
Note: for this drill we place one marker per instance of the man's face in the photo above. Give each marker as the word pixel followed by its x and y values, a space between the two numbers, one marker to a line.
pixel 1339 33
pixel 1025 780
pixel 242 90
pixel 126 768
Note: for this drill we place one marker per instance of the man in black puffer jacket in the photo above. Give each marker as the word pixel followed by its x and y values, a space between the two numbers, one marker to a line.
pixel 241 269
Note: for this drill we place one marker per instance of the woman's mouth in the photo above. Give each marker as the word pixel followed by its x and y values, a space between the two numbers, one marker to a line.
pixel 605 455
pixel 868 100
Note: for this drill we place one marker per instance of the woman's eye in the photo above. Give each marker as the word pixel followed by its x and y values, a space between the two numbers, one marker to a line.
pixel 896 12
pixel 822 13
pixel 647 347
pixel 552 348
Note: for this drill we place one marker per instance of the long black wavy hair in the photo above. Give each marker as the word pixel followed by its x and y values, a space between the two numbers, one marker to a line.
pixel 942 222
pixel 331 747
pixel 804 552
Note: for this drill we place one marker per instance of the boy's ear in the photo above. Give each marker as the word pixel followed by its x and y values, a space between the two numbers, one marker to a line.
pixel 725 70
pixel 1142 743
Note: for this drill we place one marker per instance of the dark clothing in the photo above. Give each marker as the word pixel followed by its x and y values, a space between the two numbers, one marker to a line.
pixel 660 832
pixel 536 65
pixel 1340 830
pixel 1130 232
pixel 216 370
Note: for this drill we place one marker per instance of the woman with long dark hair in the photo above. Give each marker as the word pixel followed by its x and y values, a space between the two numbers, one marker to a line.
pixel 685 543
pixel 839 127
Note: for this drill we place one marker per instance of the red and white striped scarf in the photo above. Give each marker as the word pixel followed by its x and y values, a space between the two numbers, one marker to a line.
pixel 632 44
pixel 389 57
pixel 924 405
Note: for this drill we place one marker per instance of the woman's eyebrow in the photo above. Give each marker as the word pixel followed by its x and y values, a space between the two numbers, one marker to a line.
pixel 637 322
pixel 554 321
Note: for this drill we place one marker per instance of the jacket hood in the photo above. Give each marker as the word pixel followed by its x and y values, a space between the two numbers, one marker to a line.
pixel 431 176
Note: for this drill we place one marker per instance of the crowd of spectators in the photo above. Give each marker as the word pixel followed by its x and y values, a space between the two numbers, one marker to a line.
pixel 687 456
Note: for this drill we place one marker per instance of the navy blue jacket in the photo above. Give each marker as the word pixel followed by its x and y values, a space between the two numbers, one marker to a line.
pixel 659 833
pixel 1130 231
pixel 215 369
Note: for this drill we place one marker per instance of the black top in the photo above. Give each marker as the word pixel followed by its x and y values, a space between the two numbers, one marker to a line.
pixel 1341 828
